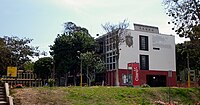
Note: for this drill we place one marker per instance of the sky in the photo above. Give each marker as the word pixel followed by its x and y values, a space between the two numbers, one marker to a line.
pixel 42 20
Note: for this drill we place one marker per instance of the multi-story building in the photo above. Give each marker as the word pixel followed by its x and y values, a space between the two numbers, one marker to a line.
pixel 145 57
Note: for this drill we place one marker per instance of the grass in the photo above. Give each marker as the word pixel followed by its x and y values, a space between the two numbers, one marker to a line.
pixel 104 95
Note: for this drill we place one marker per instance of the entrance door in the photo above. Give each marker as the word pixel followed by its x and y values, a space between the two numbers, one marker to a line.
pixel 156 80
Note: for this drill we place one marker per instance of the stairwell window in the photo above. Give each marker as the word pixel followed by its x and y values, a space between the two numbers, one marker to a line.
pixel 144 44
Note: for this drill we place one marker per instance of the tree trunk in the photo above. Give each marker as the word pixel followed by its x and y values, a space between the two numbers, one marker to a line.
pixel 58 81
pixel 74 78
pixel 66 79
pixel 88 79
pixel 94 76
pixel 117 61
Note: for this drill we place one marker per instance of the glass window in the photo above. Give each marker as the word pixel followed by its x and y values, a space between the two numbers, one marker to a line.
pixel 110 59
pixel 144 62
pixel 113 65
pixel 110 66
pixel 111 40
pixel 107 48
pixel 113 58
pixel 107 54
pixel 110 46
pixel 107 66
pixel 114 45
pixel 144 43
pixel 114 53
pixel 107 60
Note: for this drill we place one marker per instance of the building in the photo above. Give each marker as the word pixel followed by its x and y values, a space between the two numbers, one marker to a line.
pixel 145 57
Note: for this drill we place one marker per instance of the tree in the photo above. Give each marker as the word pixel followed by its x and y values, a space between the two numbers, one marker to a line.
pixel 117 31
pixel 29 65
pixel 4 57
pixel 185 15
pixel 43 67
pixel 186 58
pixel 66 45
pixel 92 64
pixel 15 52
pixel 185 51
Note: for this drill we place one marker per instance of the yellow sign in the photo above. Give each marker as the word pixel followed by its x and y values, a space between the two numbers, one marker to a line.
pixel 12 71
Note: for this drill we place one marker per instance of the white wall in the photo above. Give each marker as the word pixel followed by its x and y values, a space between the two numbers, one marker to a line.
pixel 163 59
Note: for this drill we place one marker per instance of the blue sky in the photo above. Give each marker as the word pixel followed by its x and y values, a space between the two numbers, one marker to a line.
pixel 42 20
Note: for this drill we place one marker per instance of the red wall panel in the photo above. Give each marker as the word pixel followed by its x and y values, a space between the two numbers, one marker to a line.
pixel 110 78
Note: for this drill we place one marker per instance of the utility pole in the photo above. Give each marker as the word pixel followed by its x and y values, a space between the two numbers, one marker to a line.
pixel 169 77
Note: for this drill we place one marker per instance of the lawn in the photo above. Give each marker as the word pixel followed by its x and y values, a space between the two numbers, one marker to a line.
pixel 103 95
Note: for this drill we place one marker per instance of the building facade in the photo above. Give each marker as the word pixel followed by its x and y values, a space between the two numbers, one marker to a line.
pixel 145 57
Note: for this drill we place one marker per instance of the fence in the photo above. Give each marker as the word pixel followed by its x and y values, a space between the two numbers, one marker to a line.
pixel 28 79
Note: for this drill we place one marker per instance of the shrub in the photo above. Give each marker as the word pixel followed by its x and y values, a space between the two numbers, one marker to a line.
pixel 1 82
pixel 51 82
pixel 145 85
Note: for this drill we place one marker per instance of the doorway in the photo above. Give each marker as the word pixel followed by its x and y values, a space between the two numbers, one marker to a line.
pixel 156 80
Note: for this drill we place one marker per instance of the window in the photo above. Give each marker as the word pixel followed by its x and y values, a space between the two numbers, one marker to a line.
pixel 114 45
pixel 107 61
pixel 107 48
pixel 107 55
pixel 110 59
pixel 114 53
pixel 155 48
pixel 144 62
pixel 111 40
pixel 107 66
pixel 113 58
pixel 110 46
pixel 110 66
pixel 144 43
pixel 113 65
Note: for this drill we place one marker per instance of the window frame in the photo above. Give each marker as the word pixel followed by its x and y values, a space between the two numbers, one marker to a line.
pixel 144 66
pixel 146 43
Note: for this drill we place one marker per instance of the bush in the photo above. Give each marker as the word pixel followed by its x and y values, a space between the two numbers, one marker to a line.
pixel 1 82
pixel 145 85
pixel 51 82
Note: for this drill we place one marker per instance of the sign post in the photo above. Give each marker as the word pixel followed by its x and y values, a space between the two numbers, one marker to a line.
pixel 169 76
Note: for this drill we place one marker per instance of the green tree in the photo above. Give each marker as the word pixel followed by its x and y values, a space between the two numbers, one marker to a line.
pixel 43 67
pixel 66 45
pixel 15 52
pixel 92 64
pixel 186 57
pixel 117 31
pixel 4 57
pixel 185 15
pixel 29 66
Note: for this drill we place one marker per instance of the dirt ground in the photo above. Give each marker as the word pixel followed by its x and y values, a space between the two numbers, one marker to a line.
pixel 31 96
